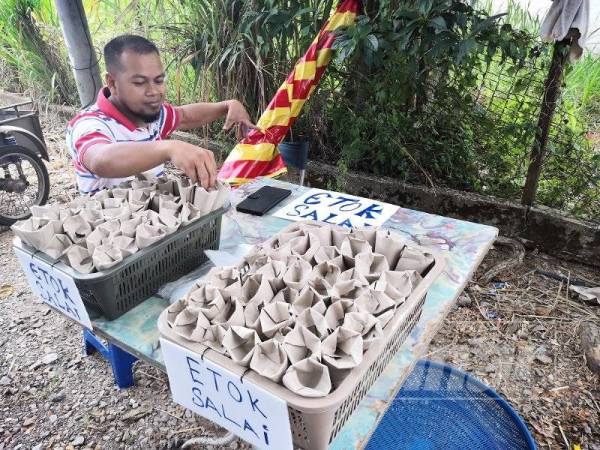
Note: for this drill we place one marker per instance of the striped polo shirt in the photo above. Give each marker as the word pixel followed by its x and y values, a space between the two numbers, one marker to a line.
pixel 103 123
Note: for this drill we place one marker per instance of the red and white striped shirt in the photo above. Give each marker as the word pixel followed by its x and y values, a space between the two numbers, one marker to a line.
pixel 103 123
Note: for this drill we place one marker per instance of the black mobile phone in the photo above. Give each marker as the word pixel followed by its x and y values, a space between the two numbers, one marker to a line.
pixel 261 201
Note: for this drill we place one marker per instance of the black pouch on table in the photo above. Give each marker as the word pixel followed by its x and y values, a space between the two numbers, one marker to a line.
pixel 261 201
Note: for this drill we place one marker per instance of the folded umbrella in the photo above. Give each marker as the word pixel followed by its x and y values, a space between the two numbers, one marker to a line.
pixel 257 154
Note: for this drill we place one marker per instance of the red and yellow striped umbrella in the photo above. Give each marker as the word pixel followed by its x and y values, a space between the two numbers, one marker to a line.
pixel 257 154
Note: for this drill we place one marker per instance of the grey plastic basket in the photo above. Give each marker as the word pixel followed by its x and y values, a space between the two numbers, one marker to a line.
pixel 115 291
pixel 316 421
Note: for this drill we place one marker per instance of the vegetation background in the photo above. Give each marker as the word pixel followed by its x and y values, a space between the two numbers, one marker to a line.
pixel 435 92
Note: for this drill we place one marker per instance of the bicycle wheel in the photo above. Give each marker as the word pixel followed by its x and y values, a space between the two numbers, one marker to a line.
pixel 24 182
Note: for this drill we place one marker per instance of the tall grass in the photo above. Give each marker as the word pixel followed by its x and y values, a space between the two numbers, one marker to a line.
pixel 31 45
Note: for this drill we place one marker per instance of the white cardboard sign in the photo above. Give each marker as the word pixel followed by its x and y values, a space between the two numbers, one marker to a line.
pixel 243 408
pixel 338 209
pixel 54 287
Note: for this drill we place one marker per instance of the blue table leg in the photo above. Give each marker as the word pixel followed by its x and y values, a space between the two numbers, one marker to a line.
pixel 120 360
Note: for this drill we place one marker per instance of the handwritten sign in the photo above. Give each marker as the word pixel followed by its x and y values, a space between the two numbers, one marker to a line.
pixel 54 287
pixel 338 209
pixel 245 409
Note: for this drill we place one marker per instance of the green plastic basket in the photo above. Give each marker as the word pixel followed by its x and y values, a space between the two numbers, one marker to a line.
pixel 113 292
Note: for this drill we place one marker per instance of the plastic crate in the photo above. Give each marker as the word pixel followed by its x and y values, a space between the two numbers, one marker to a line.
pixel 316 421
pixel 115 291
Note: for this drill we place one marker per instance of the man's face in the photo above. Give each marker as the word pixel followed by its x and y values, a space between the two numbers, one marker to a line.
pixel 139 85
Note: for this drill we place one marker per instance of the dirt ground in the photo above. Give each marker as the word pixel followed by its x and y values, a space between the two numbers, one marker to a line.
pixel 518 333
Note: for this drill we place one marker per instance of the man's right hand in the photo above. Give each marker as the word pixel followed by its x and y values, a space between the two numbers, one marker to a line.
pixel 196 162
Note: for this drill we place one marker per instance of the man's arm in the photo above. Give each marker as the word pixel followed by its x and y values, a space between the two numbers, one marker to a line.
pixel 196 115
pixel 123 159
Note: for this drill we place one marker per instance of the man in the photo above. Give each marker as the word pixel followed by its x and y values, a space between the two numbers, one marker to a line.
pixel 124 133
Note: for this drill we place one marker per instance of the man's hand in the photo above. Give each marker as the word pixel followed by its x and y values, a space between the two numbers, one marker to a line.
pixel 196 162
pixel 237 116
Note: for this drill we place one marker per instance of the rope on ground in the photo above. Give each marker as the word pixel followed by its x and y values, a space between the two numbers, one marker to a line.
pixel 514 261
pixel 205 440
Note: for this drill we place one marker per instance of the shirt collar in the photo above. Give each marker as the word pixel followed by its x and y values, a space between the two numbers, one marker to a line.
pixel 107 107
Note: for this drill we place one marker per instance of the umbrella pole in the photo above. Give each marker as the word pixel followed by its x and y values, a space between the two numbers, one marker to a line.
pixel 550 98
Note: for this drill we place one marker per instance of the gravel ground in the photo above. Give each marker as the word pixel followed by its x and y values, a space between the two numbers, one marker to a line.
pixel 518 333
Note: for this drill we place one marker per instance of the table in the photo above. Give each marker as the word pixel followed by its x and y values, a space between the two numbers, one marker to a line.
pixel 464 245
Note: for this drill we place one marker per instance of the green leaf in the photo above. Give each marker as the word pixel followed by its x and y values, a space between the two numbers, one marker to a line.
pixel 373 42
pixel 438 23
pixel 463 50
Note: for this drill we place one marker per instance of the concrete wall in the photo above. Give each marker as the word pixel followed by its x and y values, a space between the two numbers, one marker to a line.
pixel 537 227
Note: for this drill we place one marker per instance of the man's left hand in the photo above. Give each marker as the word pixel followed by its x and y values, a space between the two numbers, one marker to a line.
pixel 238 117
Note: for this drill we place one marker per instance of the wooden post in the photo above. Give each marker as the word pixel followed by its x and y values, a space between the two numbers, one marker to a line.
pixel 81 51
pixel 551 95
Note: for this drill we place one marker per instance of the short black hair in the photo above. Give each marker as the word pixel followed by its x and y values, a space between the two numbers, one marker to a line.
pixel 116 46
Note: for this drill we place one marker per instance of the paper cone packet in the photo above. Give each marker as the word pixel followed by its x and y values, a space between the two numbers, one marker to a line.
pixel 326 253
pixel 57 246
pixel 185 323
pixel 223 194
pixel 398 285
pixel 308 378
pixel 184 189
pixel 370 266
pixel 125 244
pixel 166 186
pixel 146 235
pixel 269 360
pixel 204 200
pixel 76 228
pixel 305 246
pixel 303 300
pixel 366 324
pixel 189 213
pixel 390 246
pixel 202 331
pixel 221 277
pixel 367 234
pixel 257 289
pixel 95 239
pixel 95 217
pixel 300 343
pixel 342 349
pixel 314 321
pixel 120 212
pixel 215 339
pixel 102 195
pixel 351 247
pixel 240 343
pixel 128 227
pixel 413 259
pixel 297 274
pixel 174 309
pixel 338 236
pixel 79 259
pixel 232 314
pixel 275 317
pixel 105 256
pixel 120 193
pixel 334 316
pixel 30 232
pixel 350 289
pixel 286 295
pixel 252 315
